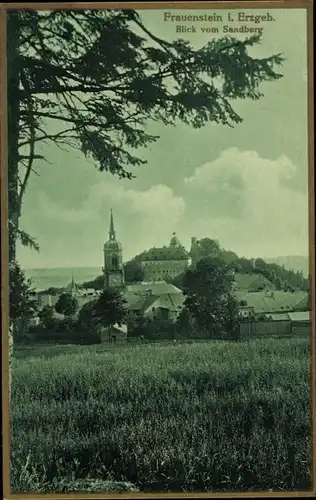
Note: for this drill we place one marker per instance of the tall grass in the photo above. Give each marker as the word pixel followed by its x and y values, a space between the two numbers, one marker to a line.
pixel 198 417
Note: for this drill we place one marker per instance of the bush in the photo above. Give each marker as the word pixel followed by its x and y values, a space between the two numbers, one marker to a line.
pixel 66 304
pixel 65 331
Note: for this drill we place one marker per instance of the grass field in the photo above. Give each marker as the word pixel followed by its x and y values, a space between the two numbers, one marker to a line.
pixel 203 417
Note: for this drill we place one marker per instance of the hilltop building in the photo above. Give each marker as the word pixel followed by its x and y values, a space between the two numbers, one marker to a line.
pixel 155 298
pixel 113 269
pixel 165 262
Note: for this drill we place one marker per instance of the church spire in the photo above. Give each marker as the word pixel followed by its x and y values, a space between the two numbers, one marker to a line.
pixel 72 288
pixel 111 232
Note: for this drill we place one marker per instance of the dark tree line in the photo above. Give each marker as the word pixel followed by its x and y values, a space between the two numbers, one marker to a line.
pixel 78 325
pixel 283 279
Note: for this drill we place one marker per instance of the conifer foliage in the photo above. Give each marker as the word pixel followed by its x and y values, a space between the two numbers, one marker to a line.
pixel 91 79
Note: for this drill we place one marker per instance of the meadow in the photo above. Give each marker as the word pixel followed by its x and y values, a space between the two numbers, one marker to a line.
pixel 217 416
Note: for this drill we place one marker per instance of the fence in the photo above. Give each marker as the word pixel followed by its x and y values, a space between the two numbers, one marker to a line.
pixel 302 328
pixel 251 329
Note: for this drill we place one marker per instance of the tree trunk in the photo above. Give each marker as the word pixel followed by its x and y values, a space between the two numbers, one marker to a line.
pixel 13 119
pixel 13 94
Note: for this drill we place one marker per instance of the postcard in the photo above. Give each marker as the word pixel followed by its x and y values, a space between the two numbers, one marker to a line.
pixel 158 270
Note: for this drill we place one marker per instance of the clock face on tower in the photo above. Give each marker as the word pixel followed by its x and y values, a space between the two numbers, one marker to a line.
pixel 115 279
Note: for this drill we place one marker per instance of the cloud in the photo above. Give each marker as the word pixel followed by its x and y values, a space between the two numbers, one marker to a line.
pixel 245 201
pixel 69 236
pixel 248 203
pixel 157 202
pixel 145 217
pixel 53 211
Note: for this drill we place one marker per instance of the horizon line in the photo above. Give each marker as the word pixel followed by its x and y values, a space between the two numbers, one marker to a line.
pixel 95 266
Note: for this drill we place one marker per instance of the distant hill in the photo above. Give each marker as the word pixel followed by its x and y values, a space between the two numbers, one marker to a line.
pixel 60 277
pixel 281 276
pixel 295 262
pixel 282 271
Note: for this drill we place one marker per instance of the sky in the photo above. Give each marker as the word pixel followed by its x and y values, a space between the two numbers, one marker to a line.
pixel 244 186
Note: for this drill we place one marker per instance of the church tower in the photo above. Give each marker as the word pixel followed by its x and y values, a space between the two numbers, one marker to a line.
pixel 113 270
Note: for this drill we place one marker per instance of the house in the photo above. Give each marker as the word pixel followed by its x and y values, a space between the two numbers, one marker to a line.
pixel 297 323
pixel 294 316
pixel 300 316
pixel 135 291
pixel 114 334
pixel 253 282
pixel 301 322
pixel 164 307
pixel 35 321
pixel 280 316
pixel 246 312
pixel 90 292
pixel 270 302
pixel 152 288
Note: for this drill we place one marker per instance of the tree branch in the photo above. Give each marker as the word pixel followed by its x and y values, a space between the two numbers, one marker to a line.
pixel 45 136
pixel 35 157
pixel 31 142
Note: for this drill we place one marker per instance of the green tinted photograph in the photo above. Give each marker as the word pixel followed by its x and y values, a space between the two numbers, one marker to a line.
pixel 160 297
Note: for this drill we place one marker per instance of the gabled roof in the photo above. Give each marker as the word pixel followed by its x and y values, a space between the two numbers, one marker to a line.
pixel 172 302
pixel 130 298
pixel 251 282
pixel 300 316
pixel 279 316
pixel 277 301
pixel 302 304
pixel 153 288
pixel 177 299
pixel 143 303
pixel 117 327
pixel 166 253
pixel 121 328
